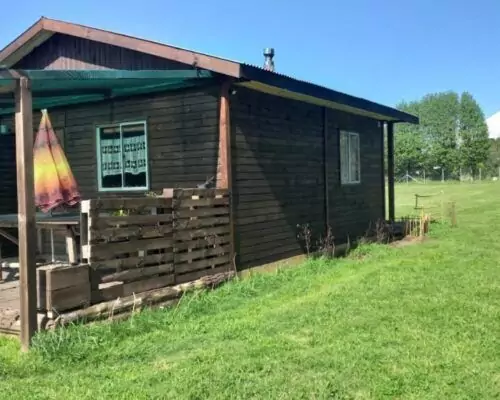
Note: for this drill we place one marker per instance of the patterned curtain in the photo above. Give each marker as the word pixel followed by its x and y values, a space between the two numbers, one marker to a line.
pixel 133 157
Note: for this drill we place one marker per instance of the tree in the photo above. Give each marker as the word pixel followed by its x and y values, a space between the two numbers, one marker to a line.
pixel 493 163
pixel 408 143
pixel 452 134
pixel 439 114
pixel 474 144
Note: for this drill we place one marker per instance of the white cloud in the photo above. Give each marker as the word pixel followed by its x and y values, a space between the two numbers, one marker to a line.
pixel 493 123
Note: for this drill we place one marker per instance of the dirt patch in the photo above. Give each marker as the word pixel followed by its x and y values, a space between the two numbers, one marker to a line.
pixel 409 240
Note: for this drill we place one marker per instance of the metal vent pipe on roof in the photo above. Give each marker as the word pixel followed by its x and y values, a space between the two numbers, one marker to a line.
pixel 268 59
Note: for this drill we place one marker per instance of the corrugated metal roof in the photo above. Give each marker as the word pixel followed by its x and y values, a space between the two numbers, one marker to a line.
pixel 262 78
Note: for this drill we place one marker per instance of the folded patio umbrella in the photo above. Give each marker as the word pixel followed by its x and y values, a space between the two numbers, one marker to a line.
pixel 55 184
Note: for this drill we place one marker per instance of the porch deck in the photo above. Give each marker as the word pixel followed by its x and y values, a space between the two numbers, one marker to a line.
pixel 9 300
pixel 10 310
pixel 9 288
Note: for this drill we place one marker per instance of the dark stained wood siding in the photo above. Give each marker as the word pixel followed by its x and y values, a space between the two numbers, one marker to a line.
pixel 69 52
pixel 278 176
pixel 354 207
pixel 8 187
pixel 183 130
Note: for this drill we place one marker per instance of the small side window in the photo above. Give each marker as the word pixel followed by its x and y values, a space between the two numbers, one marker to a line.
pixel 350 161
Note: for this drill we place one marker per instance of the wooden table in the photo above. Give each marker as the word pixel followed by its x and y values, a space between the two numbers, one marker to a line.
pixel 65 222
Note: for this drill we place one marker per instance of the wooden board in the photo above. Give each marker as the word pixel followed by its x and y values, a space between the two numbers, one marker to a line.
pixel 188 224
pixel 137 203
pixel 148 284
pixel 134 262
pixel 182 268
pixel 202 243
pixel 202 193
pixel 202 212
pixel 201 253
pixel 117 233
pixel 113 249
pixel 138 273
pixel 103 222
pixel 62 288
pixel 191 276
pixel 202 202
pixel 201 233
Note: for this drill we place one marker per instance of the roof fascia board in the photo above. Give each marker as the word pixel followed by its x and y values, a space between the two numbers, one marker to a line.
pixel 289 84
pixel 13 52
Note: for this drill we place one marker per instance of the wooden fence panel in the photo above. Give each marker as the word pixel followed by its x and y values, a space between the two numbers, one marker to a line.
pixel 133 245
pixel 128 245
pixel 201 235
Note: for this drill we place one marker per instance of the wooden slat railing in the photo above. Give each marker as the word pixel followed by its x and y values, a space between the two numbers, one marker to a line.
pixel 133 245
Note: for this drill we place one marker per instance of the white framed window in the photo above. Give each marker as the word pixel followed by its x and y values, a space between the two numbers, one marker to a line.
pixel 350 161
pixel 122 157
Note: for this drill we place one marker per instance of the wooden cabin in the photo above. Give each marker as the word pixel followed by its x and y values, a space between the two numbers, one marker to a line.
pixel 299 153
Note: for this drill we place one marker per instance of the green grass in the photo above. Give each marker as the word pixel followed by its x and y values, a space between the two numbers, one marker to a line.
pixel 416 322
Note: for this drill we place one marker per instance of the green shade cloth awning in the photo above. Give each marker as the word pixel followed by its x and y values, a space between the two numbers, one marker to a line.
pixel 51 88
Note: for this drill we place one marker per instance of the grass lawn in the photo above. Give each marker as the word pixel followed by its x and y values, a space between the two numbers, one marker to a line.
pixel 416 322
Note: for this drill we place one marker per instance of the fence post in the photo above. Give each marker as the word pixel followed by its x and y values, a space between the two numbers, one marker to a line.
pixel 453 214
pixel 442 206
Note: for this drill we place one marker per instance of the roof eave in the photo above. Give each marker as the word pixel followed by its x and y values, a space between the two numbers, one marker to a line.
pixel 328 97
pixel 24 43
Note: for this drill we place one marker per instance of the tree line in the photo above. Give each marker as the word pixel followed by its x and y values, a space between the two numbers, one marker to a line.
pixel 451 139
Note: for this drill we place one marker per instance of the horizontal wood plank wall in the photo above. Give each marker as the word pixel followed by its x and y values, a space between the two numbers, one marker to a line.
pixel 183 130
pixel 8 202
pixel 277 174
pixel 68 52
pixel 354 207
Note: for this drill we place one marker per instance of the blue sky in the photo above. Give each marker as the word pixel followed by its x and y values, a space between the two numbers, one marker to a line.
pixel 383 50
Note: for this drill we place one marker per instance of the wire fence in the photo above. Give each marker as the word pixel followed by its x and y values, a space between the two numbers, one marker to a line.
pixel 436 206
pixel 438 174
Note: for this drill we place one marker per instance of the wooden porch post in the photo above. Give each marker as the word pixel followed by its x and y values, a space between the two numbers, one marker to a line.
pixel 382 126
pixel 26 211
pixel 225 159
pixel 390 169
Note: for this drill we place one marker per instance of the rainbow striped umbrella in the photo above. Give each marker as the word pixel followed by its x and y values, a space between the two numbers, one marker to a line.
pixel 55 184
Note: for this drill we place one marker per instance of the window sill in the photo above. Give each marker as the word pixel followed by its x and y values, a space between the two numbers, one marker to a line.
pixel 350 183
pixel 124 190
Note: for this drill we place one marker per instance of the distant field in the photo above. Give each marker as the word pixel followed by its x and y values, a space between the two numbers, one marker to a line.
pixel 472 198
pixel 415 322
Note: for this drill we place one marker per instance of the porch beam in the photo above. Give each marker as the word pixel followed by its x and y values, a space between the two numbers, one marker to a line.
pixel 26 211
pixel 390 170
pixel 99 75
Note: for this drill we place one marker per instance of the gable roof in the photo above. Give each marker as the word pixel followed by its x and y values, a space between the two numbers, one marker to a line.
pixel 245 74
pixel 44 28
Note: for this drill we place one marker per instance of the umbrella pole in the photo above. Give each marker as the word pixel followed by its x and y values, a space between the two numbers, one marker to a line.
pixel 52 245
pixel 52 251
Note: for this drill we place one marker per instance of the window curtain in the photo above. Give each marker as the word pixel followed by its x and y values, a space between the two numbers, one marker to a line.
pixel 354 158
pixel 132 160
pixel 344 157
pixel 111 157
